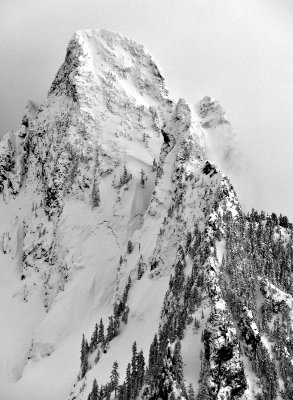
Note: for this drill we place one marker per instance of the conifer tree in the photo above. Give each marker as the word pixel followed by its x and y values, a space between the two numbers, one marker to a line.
pixel 114 379
pixel 188 240
pixel 108 392
pixel 101 334
pixel 126 290
pixel 125 175
pixel 121 390
pixel 116 309
pixel 102 392
pixel 94 395
pixel 128 388
pixel 84 356
pixel 178 363
pixel 153 358
pixel 116 326
pixel 140 370
pixel 97 357
pixel 140 269
pixel 190 392
pixel 196 324
pixel 94 339
pixel 134 370
pixel 110 329
pixel 125 315
pixel 95 195
pixel 129 247
pixel 143 178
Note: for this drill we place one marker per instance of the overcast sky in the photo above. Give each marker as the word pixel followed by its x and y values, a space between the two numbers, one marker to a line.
pixel 237 51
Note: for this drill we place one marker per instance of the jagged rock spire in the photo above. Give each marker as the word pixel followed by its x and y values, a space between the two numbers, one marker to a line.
pixel 211 113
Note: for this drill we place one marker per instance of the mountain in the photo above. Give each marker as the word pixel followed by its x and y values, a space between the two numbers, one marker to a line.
pixel 128 268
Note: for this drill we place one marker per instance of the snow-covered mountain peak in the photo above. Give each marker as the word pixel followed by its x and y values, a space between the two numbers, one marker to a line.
pixel 115 96
pixel 112 62
pixel 115 225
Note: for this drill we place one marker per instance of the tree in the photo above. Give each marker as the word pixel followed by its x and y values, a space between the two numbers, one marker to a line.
pixel 116 325
pixel 102 392
pixel 178 363
pixel 101 334
pixel 140 370
pixel 190 392
pixel 134 370
pixel 114 379
pixel 188 240
pixel 117 309
pixel 126 290
pixel 108 392
pixel 126 177
pixel 196 324
pixel 140 269
pixel 153 358
pixel 128 388
pixel 110 329
pixel 94 339
pixel 95 391
pixel 125 315
pixel 95 195
pixel 129 247
pixel 97 357
pixel 143 178
pixel 84 356
pixel 121 392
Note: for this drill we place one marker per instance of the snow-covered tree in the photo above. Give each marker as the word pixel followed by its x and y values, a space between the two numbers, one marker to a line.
pixel 114 379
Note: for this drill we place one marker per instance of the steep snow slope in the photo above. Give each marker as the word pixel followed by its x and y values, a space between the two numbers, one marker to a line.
pixel 110 210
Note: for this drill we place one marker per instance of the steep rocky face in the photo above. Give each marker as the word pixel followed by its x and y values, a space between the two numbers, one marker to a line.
pixel 116 226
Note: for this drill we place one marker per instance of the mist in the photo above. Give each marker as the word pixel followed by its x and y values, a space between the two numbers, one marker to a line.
pixel 237 51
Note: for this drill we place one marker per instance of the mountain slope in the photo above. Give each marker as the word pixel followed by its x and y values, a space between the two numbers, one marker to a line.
pixel 115 226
